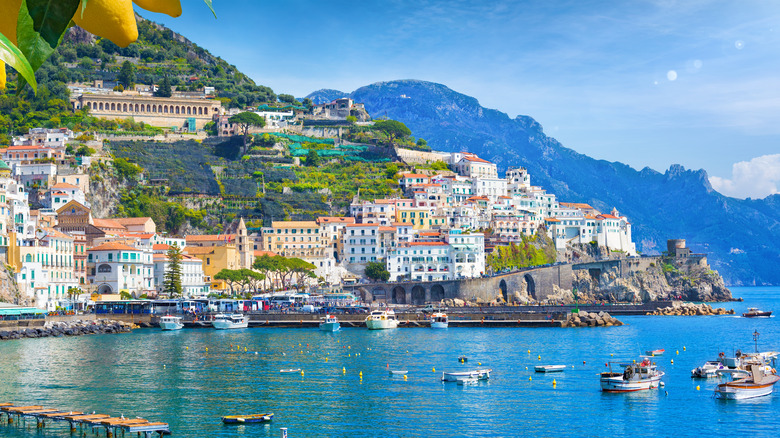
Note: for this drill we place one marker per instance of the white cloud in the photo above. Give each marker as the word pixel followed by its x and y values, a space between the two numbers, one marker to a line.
pixel 756 178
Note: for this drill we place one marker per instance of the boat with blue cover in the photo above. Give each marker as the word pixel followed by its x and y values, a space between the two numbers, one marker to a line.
pixel 251 418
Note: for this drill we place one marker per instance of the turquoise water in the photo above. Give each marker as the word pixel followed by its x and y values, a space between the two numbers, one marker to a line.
pixel 169 376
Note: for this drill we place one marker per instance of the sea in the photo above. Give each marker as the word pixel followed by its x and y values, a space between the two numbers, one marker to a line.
pixel 192 377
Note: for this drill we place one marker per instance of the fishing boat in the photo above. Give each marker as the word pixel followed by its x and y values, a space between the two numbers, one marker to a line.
pixel 169 322
pixel 549 368
pixel 329 324
pixel 251 418
pixel 234 321
pixel 480 374
pixel 381 320
pixel 439 320
pixel 708 370
pixel 635 377
pixel 658 352
pixel 753 312
pixel 757 384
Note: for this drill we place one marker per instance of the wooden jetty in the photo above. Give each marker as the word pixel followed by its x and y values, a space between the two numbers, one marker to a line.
pixel 81 420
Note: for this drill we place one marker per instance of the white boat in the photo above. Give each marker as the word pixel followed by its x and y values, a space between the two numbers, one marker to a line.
pixel 381 320
pixel 471 380
pixel 398 372
pixel 635 377
pixel 329 324
pixel 235 321
pixel 169 322
pixel 480 374
pixel 549 368
pixel 290 370
pixel 708 370
pixel 439 320
pixel 758 384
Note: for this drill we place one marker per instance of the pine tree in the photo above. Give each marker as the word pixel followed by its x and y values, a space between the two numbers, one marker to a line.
pixel 164 89
pixel 172 278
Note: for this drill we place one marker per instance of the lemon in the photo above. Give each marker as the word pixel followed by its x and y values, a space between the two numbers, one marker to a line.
pixel 170 7
pixel 112 19
pixel 8 18
pixel 2 75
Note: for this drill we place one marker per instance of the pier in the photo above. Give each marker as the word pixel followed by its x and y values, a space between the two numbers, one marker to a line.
pixel 80 422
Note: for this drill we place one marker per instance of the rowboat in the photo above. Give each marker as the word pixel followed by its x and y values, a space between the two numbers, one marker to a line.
pixel 549 368
pixel 658 352
pixel 251 418
pixel 481 374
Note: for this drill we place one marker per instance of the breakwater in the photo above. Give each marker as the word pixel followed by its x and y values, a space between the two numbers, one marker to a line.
pixel 72 328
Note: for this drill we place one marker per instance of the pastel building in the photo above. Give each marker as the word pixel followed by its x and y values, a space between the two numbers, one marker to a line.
pixel 113 268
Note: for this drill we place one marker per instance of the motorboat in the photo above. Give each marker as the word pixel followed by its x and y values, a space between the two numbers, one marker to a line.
pixel 658 352
pixel 708 370
pixel 381 320
pixel 549 368
pixel 251 418
pixel 439 320
pixel 330 324
pixel 235 321
pixel 754 312
pixel 635 377
pixel 757 384
pixel 454 376
pixel 169 322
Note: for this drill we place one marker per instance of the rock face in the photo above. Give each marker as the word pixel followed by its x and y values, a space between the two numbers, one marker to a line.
pixel 592 319
pixel 690 309
pixel 73 328
pixel 662 279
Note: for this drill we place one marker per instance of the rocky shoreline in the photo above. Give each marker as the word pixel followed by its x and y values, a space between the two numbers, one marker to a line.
pixel 691 309
pixel 72 328
pixel 590 319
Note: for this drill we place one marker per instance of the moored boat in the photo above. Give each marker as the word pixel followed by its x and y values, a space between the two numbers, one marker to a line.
pixel 754 312
pixel 381 320
pixel 708 370
pixel 251 418
pixel 454 376
pixel 635 377
pixel 169 322
pixel 234 321
pixel 439 320
pixel 757 384
pixel 658 352
pixel 330 324
pixel 549 368
pixel 290 370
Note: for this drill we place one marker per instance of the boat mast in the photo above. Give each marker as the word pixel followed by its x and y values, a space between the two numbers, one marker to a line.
pixel 755 339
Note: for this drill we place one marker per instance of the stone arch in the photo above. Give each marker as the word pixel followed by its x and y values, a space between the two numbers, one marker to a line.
pixel 113 107
pixel 189 110
pixel 502 287
pixel 418 295
pixel 399 295
pixel 136 107
pixel 437 293
pixel 200 110
pixel 177 109
pixel 165 109
pixel 100 106
pixel 124 108
pixel 104 289
pixel 529 280
pixel 379 293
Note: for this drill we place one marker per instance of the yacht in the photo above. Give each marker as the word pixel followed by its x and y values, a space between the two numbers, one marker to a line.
pixel 381 320
pixel 635 377
pixel 330 324
pixel 234 321
pixel 169 322
pixel 756 313
pixel 439 320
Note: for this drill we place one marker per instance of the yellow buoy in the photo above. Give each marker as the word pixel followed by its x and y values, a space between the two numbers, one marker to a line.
pixel 479 363
pixel 326 359
pixel 244 348
pixel 529 378
pixel 539 357
pixel 529 351
pixel 207 348
pixel 186 348
pixel 404 376
pixel 554 383
pixel 343 370
pixel 683 347
pixel 301 372
pixel 434 369
pixel 349 355
pixel 526 368
pixel 361 374
pixel 611 355
pixel 349 347
pixel 678 351
pixel 698 387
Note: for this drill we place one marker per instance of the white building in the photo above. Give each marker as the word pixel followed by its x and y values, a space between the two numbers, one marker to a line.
pixel 472 166
pixel 115 267
pixel 460 255
pixel 47 268
pixel 61 193
pixel 192 278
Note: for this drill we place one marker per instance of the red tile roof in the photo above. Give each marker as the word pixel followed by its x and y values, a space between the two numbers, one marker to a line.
pixel 64 186
pixel 476 159
pixel 112 246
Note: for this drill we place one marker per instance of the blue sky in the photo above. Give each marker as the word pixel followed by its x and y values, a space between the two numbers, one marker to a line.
pixel 647 83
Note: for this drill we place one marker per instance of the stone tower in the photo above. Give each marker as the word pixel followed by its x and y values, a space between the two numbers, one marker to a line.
pixel 246 250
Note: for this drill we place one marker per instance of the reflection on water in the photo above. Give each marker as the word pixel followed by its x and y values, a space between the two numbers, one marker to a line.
pixel 171 376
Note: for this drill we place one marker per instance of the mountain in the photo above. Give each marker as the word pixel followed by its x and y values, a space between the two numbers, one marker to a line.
pixel 326 95
pixel 742 237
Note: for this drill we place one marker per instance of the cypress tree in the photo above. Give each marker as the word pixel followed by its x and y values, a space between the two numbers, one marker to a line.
pixel 172 277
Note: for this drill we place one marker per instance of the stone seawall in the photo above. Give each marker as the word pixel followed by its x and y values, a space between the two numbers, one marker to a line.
pixel 74 328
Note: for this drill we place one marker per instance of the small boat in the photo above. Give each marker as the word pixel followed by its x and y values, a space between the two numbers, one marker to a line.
pixel 329 324
pixel 169 322
pixel 549 368
pixel 381 320
pixel 398 372
pixel 708 370
pixel 471 380
pixel 480 374
pixel 439 320
pixel 757 384
pixel 234 321
pixel 659 352
pixel 635 377
pixel 290 370
pixel 252 418
pixel 755 313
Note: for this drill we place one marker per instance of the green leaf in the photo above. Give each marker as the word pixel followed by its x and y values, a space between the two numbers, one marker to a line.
pixel 51 18
pixel 32 45
pixel 11 55
pixel 208 3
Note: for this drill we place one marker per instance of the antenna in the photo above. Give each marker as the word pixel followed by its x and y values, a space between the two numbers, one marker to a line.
pixel 756 334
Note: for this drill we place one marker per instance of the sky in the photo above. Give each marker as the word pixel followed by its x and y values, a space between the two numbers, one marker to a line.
pixel 646 83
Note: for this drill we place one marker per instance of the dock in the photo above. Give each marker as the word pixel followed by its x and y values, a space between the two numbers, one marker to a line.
pixel 80 421
pixel 413 321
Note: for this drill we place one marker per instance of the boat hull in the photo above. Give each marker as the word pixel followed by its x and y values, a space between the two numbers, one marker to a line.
pixel 227 325
pixel 483 374
pixel 740 390
pixel 330 326
pixel 255 418
pixel 617 384
pixel 757 314
pixel 439 325
pixel 549 368
pixel 381 324
pixel 171 325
